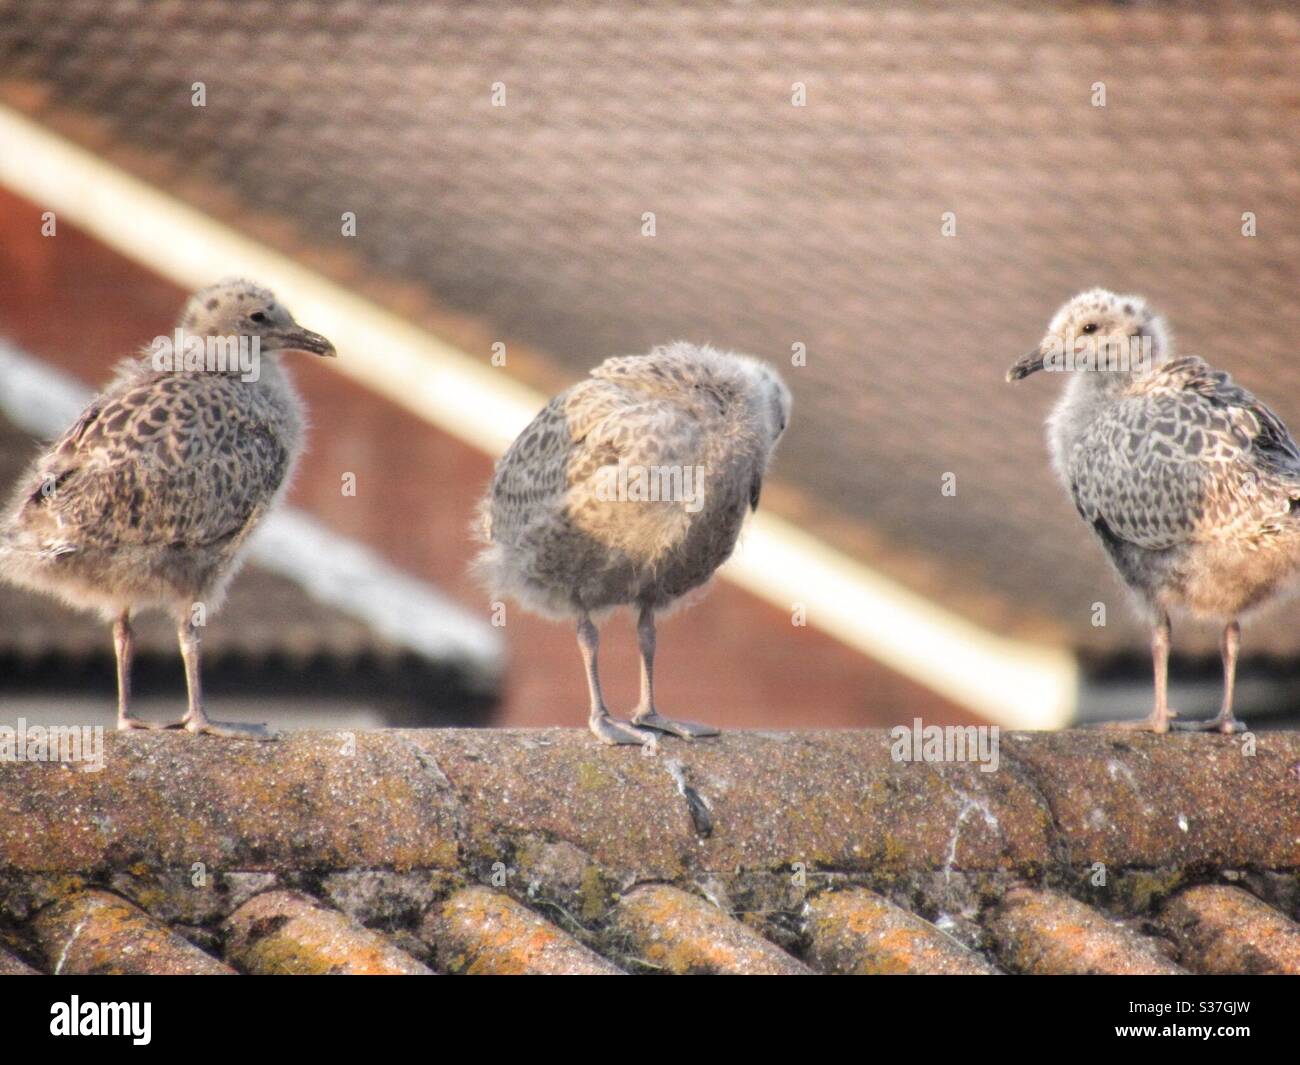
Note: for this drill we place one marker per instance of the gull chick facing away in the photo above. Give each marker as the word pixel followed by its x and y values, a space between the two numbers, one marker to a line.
pixel 148 500
pixel 630 488
pixel 1191 483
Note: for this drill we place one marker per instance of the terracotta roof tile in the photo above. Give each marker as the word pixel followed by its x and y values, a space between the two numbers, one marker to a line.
pixel 857 932
pixel 96 932
pixel 12 965
pixel 1222 929
pixel 482 932
pixel 288 933
pixel 1046 932
pixel 674 931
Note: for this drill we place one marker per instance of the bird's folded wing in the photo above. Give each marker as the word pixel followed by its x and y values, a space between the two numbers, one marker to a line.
pixel 531 474
pixel 670 371
pixel 595 425
pixel 128 474
pixel 1186 456
pixel 650 435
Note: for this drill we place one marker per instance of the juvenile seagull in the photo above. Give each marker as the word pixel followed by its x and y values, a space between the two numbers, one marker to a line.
pixel 148 499
pixel 630 489
pixel 1190 482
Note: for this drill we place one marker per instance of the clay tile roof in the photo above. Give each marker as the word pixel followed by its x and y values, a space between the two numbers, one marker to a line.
pixel 1047 933
pixel 510 851
pixel 1222 929
pixel 857 932
pixel 287 932
pixel 98 933
pixel 483 932
pixel 817 225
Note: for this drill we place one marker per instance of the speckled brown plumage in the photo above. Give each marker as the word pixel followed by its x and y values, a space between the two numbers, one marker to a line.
pixel 148 499
pixel 1190 482
pixel 562 548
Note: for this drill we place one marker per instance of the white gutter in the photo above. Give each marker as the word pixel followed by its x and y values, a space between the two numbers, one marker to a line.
pixel 1006 681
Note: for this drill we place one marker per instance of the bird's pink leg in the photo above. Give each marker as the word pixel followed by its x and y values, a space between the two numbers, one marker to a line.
pixel 645 714
pixel 195 719
pixel 123 649
pixel 1229 646
pixel 604 727
pixel 1160 713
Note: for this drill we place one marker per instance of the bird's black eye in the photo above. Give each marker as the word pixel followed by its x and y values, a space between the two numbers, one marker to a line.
pixel 258 317
pixel 1091 327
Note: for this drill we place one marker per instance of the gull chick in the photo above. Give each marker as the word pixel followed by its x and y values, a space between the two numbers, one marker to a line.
pixel 1191 483
pixel 630 488
pixel 147 501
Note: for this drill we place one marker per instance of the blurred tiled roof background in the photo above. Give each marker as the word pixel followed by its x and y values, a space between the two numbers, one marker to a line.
pixel 776 224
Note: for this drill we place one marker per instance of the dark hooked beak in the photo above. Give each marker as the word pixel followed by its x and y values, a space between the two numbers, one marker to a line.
pixel 307 341
pixel 1031 363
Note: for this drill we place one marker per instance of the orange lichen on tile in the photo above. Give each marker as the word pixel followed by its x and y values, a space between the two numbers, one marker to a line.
pixel 288 933
pixel 1040 932
pixel 96 932
pixel 1222 929
pixel 681 933
pixel 478 931
pixel 861 933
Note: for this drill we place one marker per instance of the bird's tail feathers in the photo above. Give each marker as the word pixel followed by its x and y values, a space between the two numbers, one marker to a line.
pixel 14 550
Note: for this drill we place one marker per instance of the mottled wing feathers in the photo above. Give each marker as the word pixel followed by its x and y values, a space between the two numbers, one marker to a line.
pixel 531 474
pixel 631 486
pixel 1270 442
pixel 647 434
pixel 675 370
pixel 164 462
pixel 554 464
pixel 54 466
pixel 665 369
pixel 1185 455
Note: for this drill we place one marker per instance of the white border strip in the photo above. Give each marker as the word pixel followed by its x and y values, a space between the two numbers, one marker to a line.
pixel 333 570
pixel 1007 681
